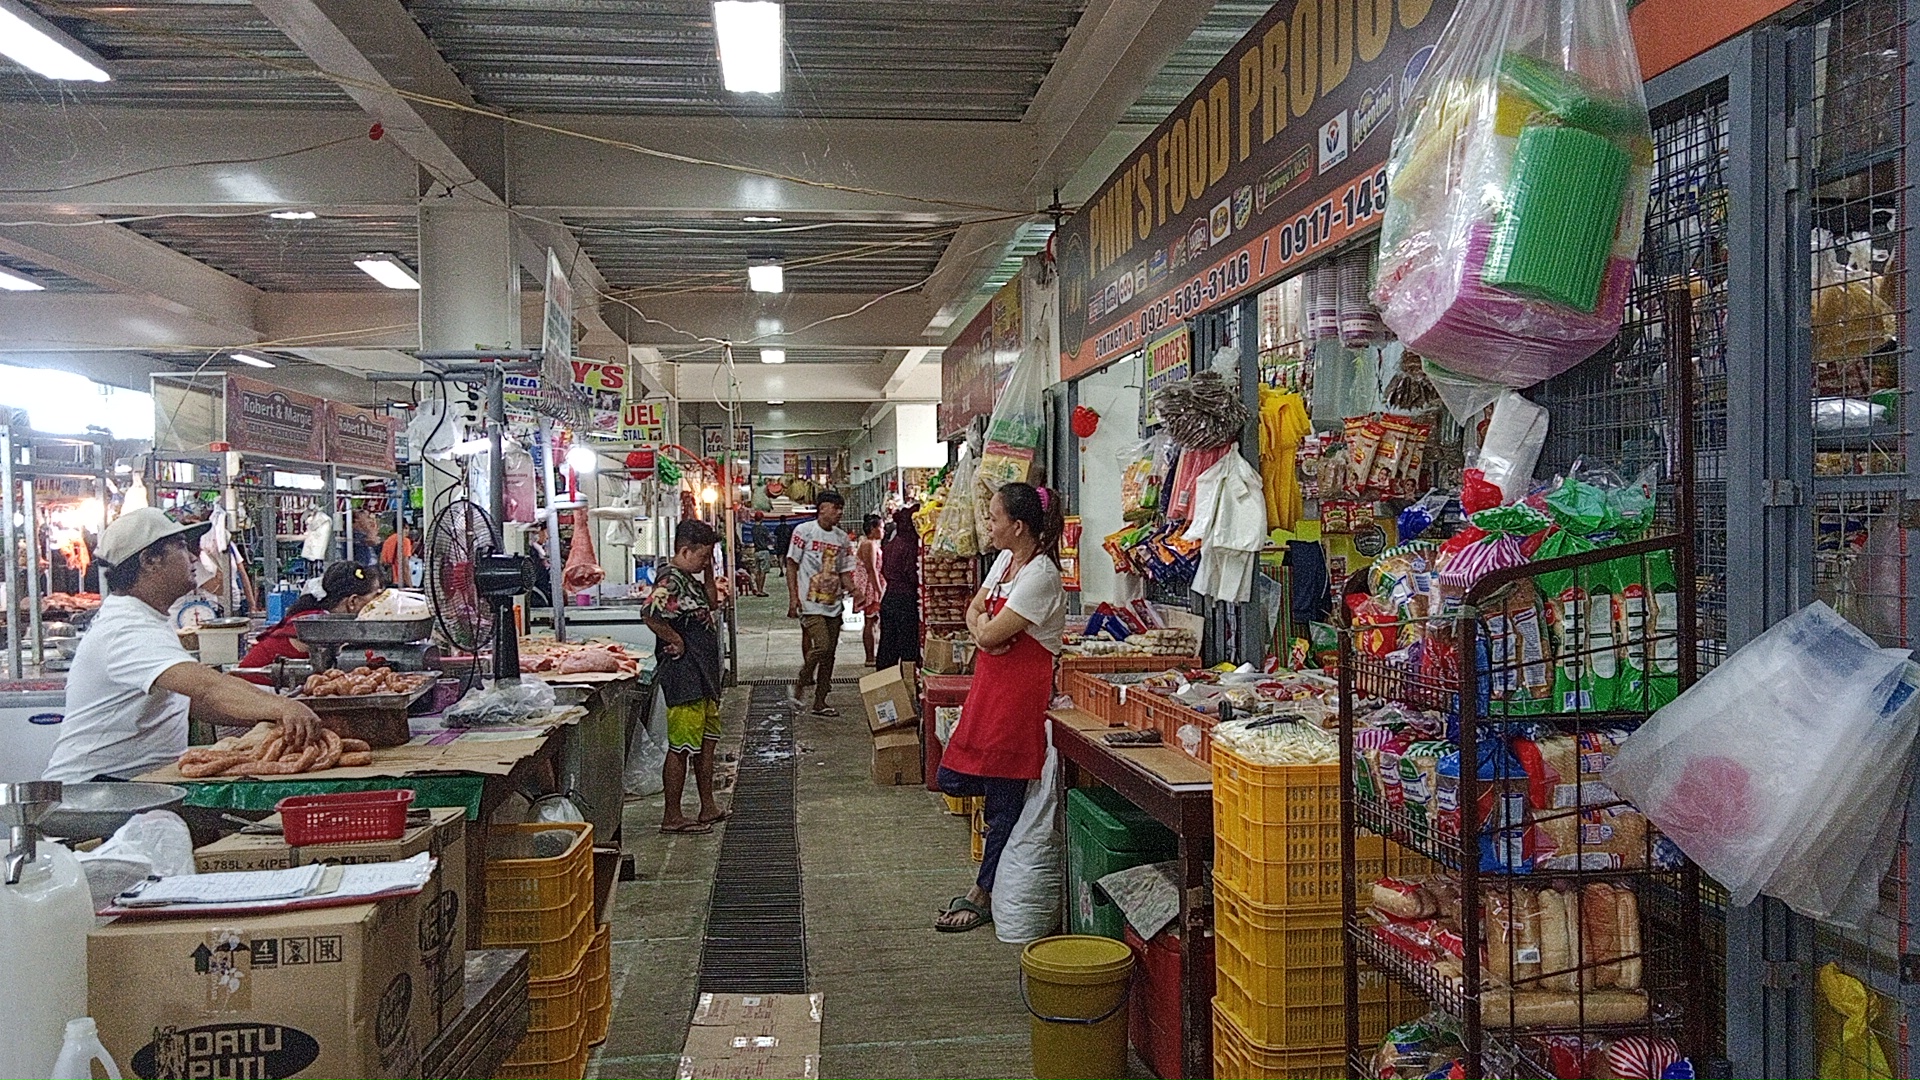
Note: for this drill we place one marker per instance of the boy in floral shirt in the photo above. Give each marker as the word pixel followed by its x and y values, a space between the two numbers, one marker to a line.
pixel 680 612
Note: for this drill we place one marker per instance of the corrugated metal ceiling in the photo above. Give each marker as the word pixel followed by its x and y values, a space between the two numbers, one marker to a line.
pixel 931 59
pixel 51 280
pixel 151 67
pixel 857 257
pixel 1223 28
pixel 289 256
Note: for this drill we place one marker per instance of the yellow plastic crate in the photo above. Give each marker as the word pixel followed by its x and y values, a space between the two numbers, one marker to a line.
pixel 599 985
pixel 1240 1058
pixel 542 905
pixel 956 805
pixel 1276 831
pixel 556 1027
pixel 574 1068
pixel 1282 975
pixel 979 839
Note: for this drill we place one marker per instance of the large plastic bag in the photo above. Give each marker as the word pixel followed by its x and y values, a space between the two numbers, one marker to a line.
pixel 154 844
pixel 1026 887
pixel 1518 190
pixel 1013 438
pixel 1773 771
pixel 648 753
pixel 953 535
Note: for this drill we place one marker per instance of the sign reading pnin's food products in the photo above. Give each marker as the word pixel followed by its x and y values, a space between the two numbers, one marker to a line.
pixel 264 419
pixel 1278 155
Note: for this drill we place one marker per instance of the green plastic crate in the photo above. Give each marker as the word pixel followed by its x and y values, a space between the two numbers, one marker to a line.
pixel 1106 834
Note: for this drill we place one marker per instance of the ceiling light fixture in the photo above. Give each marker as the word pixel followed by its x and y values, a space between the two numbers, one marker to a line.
pixel 388 270
pixel 749 36
pixel 766 276
pixel 759 219
pixel 582 459
pixel 42 47
pixel 773 356
pixel 11 282
pixel 253 361
pixel 777 401
pixel 294 215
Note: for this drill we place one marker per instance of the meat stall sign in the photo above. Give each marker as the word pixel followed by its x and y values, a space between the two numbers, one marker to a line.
pixel 264 419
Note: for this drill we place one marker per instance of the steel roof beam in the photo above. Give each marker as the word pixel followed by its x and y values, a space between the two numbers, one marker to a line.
pixel 118 259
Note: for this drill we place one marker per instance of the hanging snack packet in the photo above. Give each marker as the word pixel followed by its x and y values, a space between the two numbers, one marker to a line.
pixel 1565 593
pixel 1364 434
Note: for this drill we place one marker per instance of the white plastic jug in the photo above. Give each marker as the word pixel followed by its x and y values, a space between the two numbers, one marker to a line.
pixel 81 1049
pixel 44 921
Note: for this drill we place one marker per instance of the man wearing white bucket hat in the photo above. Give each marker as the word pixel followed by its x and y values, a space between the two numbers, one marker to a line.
pixel 132 685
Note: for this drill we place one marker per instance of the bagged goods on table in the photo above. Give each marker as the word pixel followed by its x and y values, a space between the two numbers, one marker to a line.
pixel 261 752
pixel 1518 188
pixel 1783 770
pixel 1277 742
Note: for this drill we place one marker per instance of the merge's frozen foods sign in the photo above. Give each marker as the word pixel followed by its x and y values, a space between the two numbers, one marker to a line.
pixel 265 419
pixel 361 437
pixel 1277 156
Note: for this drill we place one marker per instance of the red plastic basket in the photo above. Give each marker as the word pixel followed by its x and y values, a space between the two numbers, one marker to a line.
pixel 345 817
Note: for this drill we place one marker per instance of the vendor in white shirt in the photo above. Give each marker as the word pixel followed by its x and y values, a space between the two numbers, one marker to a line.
pixel 132 686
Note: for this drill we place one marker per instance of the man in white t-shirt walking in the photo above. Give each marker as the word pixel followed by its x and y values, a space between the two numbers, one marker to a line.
pixel 131 685
pixel 819 576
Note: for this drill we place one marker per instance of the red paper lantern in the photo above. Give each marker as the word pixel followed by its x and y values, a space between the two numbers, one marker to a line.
pixel 1085 421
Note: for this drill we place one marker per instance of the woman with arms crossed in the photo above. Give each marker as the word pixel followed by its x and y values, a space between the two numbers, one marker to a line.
pixel 1017 619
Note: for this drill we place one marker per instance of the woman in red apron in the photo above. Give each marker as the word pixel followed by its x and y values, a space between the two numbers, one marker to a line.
pixel 1017 619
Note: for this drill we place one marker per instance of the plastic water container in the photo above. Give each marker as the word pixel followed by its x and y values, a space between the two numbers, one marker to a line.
pixel 44 922
pixel 81 1049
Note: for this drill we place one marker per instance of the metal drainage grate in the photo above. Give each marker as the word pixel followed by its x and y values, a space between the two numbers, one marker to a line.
pixel 756 932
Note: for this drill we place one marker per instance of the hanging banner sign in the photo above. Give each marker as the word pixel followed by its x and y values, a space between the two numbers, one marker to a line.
pixel 976 367
pixel 360 437
pixel 713 443
pixel 556 326
pixel 770 463
pixel 264 419
pixel 1279 154
pixel 604 386
pixel 643 421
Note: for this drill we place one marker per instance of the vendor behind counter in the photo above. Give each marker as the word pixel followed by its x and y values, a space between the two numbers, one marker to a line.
pixel 343 590
pixel 132 686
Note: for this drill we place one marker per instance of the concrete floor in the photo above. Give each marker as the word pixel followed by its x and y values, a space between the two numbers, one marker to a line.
pixel 877 863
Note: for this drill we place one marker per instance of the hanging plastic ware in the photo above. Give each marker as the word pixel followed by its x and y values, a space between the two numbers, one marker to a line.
pixel 1519 190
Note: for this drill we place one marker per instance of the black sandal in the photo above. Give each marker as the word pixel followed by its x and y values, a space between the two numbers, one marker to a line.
pixel 981 917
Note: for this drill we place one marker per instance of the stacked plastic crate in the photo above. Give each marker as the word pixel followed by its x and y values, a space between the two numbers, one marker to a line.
pixel 1279 1005
pixel 542 901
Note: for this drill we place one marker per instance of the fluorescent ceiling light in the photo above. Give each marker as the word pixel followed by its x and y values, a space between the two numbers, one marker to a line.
pixel 758 219
pixel 773 356
pixel 294 215
pixel 15 283
pixel 766 277
pixel 388 270
pixel 252 361
pixel 748 32
pixel 777 401
pixel 41 47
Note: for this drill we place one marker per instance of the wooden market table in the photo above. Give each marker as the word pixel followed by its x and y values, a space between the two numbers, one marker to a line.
pixel 529 763
pixel 1176 791
pixel 492 1021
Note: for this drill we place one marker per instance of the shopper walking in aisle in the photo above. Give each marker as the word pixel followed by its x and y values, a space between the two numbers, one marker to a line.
pixel 1017 619
pixel 680 612
pixel 820 562
pixel 867 584
pixel 900 603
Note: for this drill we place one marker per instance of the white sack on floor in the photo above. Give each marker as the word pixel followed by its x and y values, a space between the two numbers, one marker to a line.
pixel 1026 888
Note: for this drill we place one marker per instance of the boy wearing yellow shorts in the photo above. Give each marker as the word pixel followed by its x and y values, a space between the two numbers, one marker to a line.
pixel 680 612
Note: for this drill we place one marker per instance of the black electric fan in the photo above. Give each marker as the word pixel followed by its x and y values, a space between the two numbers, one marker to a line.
pixel 472 584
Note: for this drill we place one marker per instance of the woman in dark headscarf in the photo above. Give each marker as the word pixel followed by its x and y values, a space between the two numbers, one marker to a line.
pixel 900 604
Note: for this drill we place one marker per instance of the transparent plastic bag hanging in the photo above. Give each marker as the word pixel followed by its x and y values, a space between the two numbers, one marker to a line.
pixel 1013 436
pixel 953 534
pixel 1518 190
pixel 1771 769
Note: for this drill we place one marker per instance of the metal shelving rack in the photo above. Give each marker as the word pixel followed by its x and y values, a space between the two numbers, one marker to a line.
pixel 1475 693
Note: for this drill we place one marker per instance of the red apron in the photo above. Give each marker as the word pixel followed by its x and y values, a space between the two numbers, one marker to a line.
pixel 1003 726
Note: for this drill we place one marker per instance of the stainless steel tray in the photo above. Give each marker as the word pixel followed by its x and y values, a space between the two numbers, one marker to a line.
pixel 342 703
pixel 335 630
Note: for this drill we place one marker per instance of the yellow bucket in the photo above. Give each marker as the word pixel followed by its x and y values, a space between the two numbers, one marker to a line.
pixel 1075 988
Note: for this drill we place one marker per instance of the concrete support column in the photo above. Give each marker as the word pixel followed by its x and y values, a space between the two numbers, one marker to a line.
pixel 469 278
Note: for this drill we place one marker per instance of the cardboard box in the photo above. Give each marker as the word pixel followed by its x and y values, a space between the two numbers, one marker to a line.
pixel 896 758
pixel 767 1035
pixel 949 656
pixel 892 698
pixel 443 932
pixel 329 992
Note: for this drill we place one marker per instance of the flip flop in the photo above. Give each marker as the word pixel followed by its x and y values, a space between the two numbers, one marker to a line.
pixel 687 827
pixel 716 819
pixel 960 903
pixel 826 710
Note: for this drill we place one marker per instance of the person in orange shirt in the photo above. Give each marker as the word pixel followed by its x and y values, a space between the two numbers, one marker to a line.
pixel 395 554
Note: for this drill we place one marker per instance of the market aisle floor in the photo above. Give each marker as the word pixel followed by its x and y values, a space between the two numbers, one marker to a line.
pixel 901 1001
